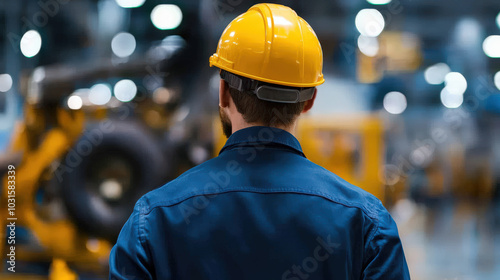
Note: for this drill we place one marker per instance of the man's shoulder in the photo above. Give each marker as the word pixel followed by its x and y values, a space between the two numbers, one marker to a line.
pixel 220 175
pixel 336 189
pixel 193 182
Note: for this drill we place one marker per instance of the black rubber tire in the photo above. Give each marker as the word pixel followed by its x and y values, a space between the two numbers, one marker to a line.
pixel 124 143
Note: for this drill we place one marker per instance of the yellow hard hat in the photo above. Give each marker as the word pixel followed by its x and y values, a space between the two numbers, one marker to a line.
pixel 271 43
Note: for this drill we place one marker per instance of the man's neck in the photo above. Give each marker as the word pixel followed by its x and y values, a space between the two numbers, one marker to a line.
pixel 242 125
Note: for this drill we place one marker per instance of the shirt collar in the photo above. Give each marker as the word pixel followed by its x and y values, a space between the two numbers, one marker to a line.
pixel 263 135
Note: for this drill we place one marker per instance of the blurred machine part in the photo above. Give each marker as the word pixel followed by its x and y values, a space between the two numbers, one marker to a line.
pixel 349 145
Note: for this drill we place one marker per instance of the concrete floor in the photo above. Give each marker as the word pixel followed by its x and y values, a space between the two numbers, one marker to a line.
pixel 450 239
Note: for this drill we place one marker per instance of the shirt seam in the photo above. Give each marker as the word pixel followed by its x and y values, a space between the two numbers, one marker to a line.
pixel 281 137
pixel 141 227
pixel 336 200
pixel 283 142
pixel 370 240
pixel 285 148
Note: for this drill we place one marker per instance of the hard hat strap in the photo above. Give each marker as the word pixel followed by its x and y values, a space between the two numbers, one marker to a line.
pixel 266 91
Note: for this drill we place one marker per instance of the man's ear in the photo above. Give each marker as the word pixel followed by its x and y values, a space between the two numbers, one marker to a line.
pixel 310 102
pixel 224 96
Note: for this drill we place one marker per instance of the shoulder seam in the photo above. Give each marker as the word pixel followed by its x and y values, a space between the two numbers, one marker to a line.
pixel 143 211
pixel 336 200
pixel 370 239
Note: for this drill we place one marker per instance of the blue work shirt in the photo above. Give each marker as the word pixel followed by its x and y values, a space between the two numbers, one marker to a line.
pixel 260 210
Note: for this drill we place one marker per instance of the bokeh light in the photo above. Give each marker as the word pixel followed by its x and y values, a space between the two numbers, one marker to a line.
pixel 379 2
pixel 395 102
pixel 451 100
pixel 125 90
pixel 496 79
pixel 123 44
pixel 370 22
pixel 38 74
pixel 100 94
pixel 166 16
pixel 455 83
pixel 491 46
pixel 130 3
pixel 162 95
pixel 31 43
pixel 111 189
pixel 368 45
pixel 75 102
pixel 435 74
pixel 5 82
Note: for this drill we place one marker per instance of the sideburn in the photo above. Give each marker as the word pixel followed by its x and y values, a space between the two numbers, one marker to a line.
pixel 227 127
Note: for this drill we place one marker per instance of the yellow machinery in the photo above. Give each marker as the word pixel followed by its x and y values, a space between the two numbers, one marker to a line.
pixel 60 239
pixel 350 146
pixel 44 140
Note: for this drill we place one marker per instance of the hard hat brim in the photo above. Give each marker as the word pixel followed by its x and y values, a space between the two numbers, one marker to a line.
pixel 215 60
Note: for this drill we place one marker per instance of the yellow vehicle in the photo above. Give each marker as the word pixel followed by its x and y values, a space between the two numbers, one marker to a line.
pixel 59 238
pixel 76 174
pixel 350 146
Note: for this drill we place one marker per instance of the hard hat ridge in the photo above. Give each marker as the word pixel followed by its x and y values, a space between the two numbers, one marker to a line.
pixel 271 43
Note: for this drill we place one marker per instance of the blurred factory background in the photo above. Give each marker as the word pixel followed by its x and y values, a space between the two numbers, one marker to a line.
pixel 104 100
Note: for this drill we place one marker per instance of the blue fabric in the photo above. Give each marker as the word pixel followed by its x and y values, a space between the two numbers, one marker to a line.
pixel 260 210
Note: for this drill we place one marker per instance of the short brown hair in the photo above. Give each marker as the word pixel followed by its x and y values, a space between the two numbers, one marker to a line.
pixel 255 110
